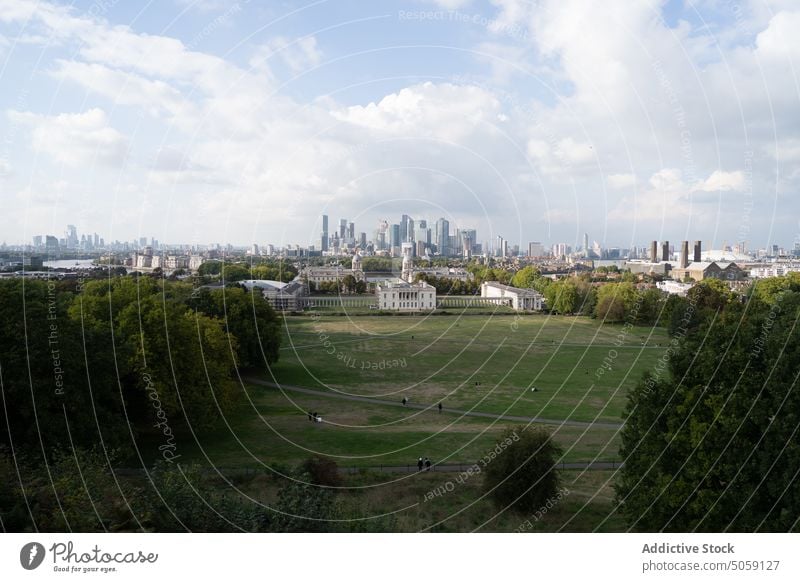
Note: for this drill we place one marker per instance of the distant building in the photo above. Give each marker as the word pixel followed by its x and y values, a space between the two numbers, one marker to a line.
pixel 404 296
pixel 710 270
pixel 280 296
pixel 775 270
pixel 674 287
pixel 334 273
pixel 194 262
pixel 520 299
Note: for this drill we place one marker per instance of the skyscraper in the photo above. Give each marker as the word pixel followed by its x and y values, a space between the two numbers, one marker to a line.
pixel 394 238
pixel 342 228
pixel 324 232
pixel 443 236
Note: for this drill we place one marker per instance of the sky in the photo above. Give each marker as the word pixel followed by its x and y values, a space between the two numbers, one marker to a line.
pixel 199 121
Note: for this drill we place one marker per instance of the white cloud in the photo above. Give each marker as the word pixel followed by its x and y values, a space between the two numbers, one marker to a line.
pixel 298 55
pixel 123 88
pixel 445 111
pixel 5 168
pixel 724 181
pixel 779 41
pixel 75 139
pixel 621 181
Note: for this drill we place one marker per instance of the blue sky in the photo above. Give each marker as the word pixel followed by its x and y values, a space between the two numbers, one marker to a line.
pixel 214 121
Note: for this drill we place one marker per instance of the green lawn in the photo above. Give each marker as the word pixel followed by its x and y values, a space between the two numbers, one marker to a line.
pixel 432 359
pixel 273 428
pixel 435 358
pixel 443 358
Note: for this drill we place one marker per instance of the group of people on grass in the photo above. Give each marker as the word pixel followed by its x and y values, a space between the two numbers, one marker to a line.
pixel 424 463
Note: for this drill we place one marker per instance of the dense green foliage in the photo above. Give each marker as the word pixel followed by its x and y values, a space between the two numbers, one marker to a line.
pixel 710 442
pixel 520 471
pixel 122 357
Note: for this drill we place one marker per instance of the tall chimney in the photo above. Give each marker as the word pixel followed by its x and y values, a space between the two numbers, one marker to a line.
pixel 654 251
pixel 697 251
pixel 684 254
pixel 665 251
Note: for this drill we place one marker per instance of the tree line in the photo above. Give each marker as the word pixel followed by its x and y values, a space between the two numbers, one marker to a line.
pixel 710 436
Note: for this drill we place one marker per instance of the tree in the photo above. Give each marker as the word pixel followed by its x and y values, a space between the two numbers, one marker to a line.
pixel 526 277
pixel 710 444
pixel 615 301
pixel 349 283
pixel 562 296
pixel 248 317
pixel 520 471
pixel 768 290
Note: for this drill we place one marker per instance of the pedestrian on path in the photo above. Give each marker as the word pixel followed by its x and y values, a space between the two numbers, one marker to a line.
pixel 440 408
pixel 405 400
pixel 427 464
pixel 419 464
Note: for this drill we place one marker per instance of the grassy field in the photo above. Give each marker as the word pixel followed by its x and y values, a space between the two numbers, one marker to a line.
pixel 273 428
pixel 486 363
pixel 430 360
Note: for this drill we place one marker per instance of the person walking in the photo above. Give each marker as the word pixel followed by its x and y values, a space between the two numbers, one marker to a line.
pixel 440 408
pixel 419 464
pixel 427 464
pixel 405 400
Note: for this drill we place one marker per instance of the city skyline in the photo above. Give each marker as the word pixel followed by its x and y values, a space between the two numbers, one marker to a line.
pixel 535 124
pixel 387 238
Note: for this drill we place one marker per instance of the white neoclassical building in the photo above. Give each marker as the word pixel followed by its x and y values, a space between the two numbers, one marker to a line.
pixel 519 299
pixel 404 296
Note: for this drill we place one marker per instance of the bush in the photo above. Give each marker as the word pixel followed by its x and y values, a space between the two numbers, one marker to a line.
pixel 520 470
pixel 322 471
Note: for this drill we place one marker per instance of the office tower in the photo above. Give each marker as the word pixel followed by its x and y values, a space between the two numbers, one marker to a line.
pixel 362 241
pixel 324 235
pixel 468 236
pixel 37 241
pixel 684 254
pixel 71 237
pixel 665 251
pixel 423 234
pixel 654 251
pixel 410 230
pixel 498 247
pixel 535 249
pixel 698 251
pixel 404 227
pixel 342 228
pixel 421 246
pixel 351 231
pixel 394 238
pixel 442 236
